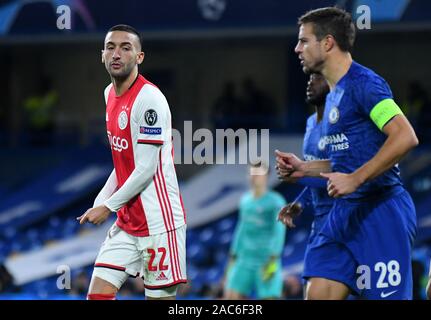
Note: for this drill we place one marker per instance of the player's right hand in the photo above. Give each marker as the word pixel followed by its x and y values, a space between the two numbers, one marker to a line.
pixel 288 213
pixel 95 215
pixel 288 166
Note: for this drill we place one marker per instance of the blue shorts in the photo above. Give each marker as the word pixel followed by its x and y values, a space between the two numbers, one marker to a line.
pixel 367 246
pixel 246 278
pixel 316 226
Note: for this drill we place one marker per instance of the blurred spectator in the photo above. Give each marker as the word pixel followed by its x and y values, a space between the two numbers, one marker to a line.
pixel 128 289
pixel 227 108
pixel 292 288
pixel 39 108
pixel 185 289
pixel 138 286
pixel 417 109
pixel 418 271
pixel 80 284
pixel 258 107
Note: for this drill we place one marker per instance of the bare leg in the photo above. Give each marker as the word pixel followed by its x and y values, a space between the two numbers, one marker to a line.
pixel 100 286
pixel 233 295
pixel 325 289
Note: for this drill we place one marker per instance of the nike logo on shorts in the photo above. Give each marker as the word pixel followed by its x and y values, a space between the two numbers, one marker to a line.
pixel 387 294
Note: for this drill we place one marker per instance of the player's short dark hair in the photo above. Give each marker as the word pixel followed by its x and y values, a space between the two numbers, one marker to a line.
pixel 260 164
pixel 127 28
pixel 332 21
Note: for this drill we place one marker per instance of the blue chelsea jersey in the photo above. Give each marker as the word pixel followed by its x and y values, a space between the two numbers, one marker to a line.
pixel 314 149
pixel 351 137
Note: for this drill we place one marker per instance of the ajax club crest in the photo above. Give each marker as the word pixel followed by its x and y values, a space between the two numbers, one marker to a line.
pixel 122 120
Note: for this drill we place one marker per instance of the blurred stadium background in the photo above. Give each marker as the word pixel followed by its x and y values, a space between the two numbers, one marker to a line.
pixel 221 63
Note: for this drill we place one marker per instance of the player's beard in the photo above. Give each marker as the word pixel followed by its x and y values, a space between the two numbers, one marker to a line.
pixel 315 67
pixel 121 74
pixel 316 100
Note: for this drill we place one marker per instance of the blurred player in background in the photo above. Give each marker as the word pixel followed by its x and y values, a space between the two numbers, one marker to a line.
pixel 255 254
pixel 365 246
pixel 148 238
pixel 313 149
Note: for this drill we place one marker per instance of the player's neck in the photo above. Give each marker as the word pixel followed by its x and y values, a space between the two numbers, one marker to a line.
pixel 258 192
pixel 319 112
pixel 336 67
pixel 122 85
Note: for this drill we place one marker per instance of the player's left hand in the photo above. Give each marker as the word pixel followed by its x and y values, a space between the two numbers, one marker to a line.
pixel 95 215
pixel 341 184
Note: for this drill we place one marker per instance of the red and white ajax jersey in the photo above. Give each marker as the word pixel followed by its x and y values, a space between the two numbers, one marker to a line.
pixel 142 115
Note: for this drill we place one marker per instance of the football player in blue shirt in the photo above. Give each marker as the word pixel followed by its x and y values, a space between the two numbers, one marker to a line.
pixel 365 245
pixel 313 149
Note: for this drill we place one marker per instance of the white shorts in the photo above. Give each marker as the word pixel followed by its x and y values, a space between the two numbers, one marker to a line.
pixel 159 259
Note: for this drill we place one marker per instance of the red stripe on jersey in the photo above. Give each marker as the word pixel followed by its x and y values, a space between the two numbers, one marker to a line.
pixel 109 266
pixel 182 206
pixel 174 243
pixel 169 212
pixel 162 209
pixel 166 191
pixel 172 256
pixel 156 180
pixel 175 254
pixel 160 142
pixel 177 259
pixel 179 193
pixel 165 212
pixel 170 224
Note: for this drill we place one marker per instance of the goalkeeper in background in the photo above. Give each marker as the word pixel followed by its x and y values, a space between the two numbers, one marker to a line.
pixel 255 255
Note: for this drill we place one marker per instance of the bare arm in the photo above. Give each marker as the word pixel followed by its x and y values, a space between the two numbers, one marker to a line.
pixel 316 167
pixel 289 165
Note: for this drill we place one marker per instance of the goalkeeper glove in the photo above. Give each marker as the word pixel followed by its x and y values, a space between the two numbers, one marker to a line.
pixel 269 269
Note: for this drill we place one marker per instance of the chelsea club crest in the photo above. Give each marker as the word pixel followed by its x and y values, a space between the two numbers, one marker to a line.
pixel 334 115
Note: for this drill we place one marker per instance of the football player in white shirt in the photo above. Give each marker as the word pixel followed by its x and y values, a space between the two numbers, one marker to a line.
pixel 148 238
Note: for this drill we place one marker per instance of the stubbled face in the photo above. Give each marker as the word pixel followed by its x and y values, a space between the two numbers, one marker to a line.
pixel 309 50
pixel 317 89
pixel 121 53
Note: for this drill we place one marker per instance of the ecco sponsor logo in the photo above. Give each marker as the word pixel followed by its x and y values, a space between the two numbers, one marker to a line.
pixel 117 143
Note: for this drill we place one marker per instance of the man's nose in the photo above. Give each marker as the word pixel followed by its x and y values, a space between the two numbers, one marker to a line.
pixel 116 54
pixel 298 48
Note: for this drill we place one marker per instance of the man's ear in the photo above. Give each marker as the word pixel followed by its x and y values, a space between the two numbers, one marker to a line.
pixel 140 58
pixel 103 59
pixel 328 43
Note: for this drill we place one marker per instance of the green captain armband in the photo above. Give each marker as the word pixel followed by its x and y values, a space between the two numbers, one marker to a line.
pixel 384 111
